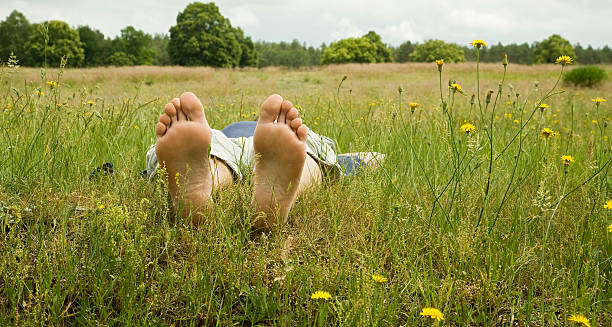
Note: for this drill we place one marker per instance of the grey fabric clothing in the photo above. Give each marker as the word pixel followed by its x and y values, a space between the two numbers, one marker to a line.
pixel 239 155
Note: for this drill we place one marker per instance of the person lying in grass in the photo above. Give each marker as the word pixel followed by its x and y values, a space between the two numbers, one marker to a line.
pixel 286 157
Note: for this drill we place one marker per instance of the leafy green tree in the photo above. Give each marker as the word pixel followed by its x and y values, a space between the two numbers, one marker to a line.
pixel 202 36
pixel 402 53
pixel 51 41
pixel 159 44
pixel 366 49
pixel 120 58
pixel 551 48
pixel 14 31
pixel 286 54
pixel 249 55
pixel 135 44
pixel 383 53
pixel 96 47
pixel 432 50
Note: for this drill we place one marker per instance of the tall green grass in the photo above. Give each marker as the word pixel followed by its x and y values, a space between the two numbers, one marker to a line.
pixel 491 228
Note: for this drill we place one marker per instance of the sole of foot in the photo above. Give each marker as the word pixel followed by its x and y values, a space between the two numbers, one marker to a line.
pixel 183 140
pixel 280 152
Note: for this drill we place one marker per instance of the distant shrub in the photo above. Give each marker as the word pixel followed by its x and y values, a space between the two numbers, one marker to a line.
pixel 586 76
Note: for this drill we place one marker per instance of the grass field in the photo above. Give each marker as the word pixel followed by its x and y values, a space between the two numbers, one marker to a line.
pixel 490 227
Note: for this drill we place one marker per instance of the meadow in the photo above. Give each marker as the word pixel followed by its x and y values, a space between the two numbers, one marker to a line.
pixel 490 227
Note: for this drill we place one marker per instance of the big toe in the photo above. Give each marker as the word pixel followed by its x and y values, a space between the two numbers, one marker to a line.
pixel 192 107
pixel 270 109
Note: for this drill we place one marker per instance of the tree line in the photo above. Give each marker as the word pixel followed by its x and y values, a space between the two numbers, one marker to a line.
pixel 203 37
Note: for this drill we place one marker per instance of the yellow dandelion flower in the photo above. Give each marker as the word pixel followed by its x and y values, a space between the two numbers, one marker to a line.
pixel 101 206
pixel 594 121
pixel 436 108
pixel 456 87
pixel 136 127
pixel 507 115
pixel 567 159
pixel 91 103
pixel 379 278
pixel 610 228
pixel 608 205
pixel 468 128
pixel 579 319
pixel 59 105
pixel 321 295
pixel 413 105
pixel 543 106
pixel 598 100
pixel 564 60
pixel 439 62
pixel 516 121
pixel 547 133
pixel 40 93
pixel 52 84
pixel 478 43
pixel 432 313
pixel 508 103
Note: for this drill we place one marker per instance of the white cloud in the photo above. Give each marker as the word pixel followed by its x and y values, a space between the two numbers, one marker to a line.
pixel 396 34
pixel 242 16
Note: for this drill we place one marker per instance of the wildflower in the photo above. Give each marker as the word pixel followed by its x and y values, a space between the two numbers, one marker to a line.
pixel 90 103
pixel 567 160
pixel 594 121
pixel 543 106
pixel 478 43
pixel 40 93
pixel 580 319
pixel 379 278
pixel 59 105
pixel 598 100
pixel 468 128
pixel 436 108
pixel 321 295
pixel 52 84
pixel 608 205
pixel 440 62
pixel 610 228
pixel 564 60
pixel 100 206
pixel 432 313
pixel 547 133
pixel 136 127
pixel 507 115
pixel 516 121
pixel 413 105
pixel 456 87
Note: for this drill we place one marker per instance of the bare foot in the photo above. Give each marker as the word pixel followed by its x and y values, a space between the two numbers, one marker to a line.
pixel 280 152
pixel 183 140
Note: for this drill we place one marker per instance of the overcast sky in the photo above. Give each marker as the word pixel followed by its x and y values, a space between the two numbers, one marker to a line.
pixel 317 21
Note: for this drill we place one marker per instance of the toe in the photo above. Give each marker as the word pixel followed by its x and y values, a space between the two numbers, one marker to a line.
pixel 296 123
pixel 301 132
pixel 180 115
pixel 292 114
pixel 170 110
pixel 285 107
pixel 192 107
pixel 165 119
pixel 160 129
pixel 270 109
